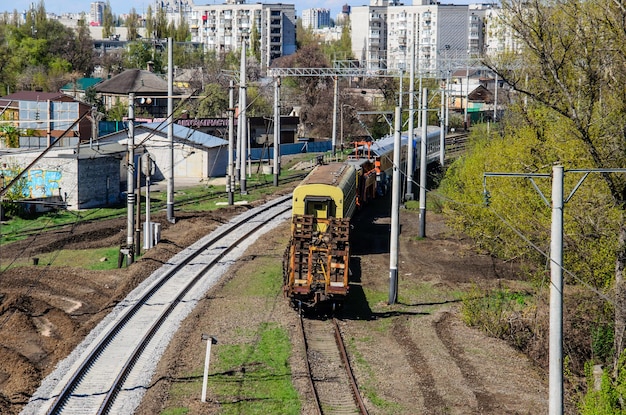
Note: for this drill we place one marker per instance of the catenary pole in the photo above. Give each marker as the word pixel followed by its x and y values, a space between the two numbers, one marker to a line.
pixel 335 104
pixel 423 166
pixel 395 210
pixel 276 129
pixel 410 163
pixel 442 131
pixel 230 179
pixel 130 182
pixel 170 130
pixel 555 387
pixel 243 121
pixel 556 295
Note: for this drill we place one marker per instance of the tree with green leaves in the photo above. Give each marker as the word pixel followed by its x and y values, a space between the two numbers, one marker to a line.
pixel 582 80
pixel 571 80
pixel 213 102
pixel 107 21
pixel 132 25
pixel 149 23
pixel 160 24
pixel 255 42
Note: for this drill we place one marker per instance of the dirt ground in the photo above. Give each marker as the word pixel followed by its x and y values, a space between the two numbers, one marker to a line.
pixel 414 357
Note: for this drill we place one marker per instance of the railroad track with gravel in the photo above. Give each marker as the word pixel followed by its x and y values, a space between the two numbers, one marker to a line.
pixel 330 374
pixel 109 371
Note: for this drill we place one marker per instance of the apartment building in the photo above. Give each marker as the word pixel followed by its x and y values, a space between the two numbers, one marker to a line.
pixel 222 27
pixel 315 18
pixel 499 36
pixel 96 13
pixel 384 34
pixel 369 34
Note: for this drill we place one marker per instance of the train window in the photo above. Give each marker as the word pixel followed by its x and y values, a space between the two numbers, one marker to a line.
pixel 317 209
pixel 319 206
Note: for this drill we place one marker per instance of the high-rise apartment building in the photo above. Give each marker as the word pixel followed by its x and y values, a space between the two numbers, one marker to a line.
pixel 315 18
pixel 222 27
pixel 368 26
pixel 96 13
pixel 384 35
pixel 499 36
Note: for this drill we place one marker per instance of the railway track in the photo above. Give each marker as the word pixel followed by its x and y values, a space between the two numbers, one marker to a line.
pixel 156 206
pixel 109 371
pixel 456 145
pixel 330 374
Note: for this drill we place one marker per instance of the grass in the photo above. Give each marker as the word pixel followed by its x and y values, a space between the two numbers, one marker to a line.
pixel 370 386
pixel 91 259
pixel 251 376
pixel 265 385
pixel 412 293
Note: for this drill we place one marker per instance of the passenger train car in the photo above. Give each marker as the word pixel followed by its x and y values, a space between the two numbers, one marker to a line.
pixel 316 261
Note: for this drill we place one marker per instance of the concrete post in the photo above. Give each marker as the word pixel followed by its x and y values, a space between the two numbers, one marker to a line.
pixel 423 164
pixel 170 130
pixel 230 179
pixel 556 295
pixel 395 211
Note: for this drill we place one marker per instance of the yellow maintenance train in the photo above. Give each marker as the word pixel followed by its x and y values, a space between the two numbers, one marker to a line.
pixel 316 261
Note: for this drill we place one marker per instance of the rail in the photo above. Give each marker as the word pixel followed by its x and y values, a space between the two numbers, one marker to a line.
pixel 172 289
pixel 338 390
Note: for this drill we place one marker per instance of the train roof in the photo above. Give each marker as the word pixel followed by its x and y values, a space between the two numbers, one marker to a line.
pixel 385 144
pixel 329 174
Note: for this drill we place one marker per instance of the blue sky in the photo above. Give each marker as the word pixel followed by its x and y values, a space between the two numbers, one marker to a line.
pixel 124 6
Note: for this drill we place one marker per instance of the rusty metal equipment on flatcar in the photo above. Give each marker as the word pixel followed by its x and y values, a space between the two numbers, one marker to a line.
pixel 317 260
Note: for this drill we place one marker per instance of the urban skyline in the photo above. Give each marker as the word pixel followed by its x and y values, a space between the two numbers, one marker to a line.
pixel 124 6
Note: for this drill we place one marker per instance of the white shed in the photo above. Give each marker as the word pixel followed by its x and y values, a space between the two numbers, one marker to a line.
pixel 196 154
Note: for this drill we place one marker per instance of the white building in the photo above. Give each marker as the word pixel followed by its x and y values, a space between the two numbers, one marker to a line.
pixel 383 34
pixel 221 27
pixel 499 36
pixel 315 18
pixel 96 13
pixel 197 155
pixel 369 34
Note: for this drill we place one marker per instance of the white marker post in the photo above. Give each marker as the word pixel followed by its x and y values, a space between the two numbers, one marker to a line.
pixel 209 341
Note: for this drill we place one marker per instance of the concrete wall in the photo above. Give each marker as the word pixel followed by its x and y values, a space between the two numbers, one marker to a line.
pixel 60 175
pixel 98 182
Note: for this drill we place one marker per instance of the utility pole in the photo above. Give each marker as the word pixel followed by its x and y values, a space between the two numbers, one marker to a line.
pixel 410 163
pixel 130 191
pixel 555 387
pixel 442 132
pixel 395 210
pixel 243 120
pixel 230 179
pixel 556 295
pixel 335 100
pixel 170 130
pixel 276 129
pixel 423 165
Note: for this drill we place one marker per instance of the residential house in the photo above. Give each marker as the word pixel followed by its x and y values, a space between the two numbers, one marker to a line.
pixel 150 92
pixel 48 116
pixel 77 88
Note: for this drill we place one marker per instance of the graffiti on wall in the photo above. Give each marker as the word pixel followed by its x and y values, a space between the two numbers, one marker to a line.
pixel 37 182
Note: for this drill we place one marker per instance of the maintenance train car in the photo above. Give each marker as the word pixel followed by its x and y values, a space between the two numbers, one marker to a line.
pixel 316 262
